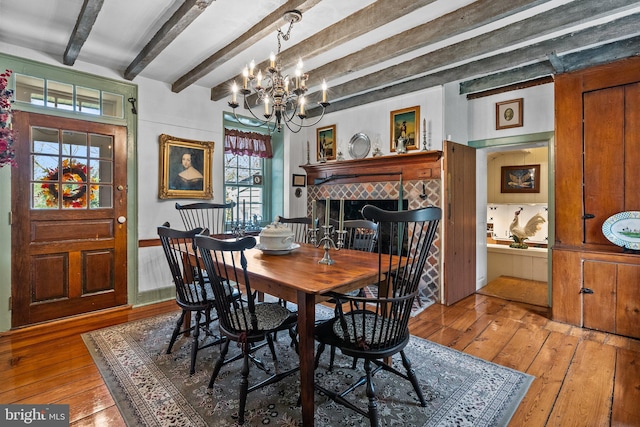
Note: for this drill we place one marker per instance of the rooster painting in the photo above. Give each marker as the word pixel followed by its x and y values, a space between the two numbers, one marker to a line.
pixel 520 234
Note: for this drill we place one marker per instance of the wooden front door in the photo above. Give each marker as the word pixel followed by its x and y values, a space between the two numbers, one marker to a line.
pixel 459 210
pixel 69 206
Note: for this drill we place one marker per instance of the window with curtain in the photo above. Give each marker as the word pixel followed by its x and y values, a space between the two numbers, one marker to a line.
pixel 244 170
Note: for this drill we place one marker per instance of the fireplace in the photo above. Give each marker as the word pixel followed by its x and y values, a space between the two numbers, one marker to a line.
pixel 381 181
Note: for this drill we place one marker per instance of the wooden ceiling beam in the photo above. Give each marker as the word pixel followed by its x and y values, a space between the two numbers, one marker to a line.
pixel 259 31
pixel 84 24
pixel 573 61
pixel 176 24
pixel 565 16
pixel 458 22
pixel 374 15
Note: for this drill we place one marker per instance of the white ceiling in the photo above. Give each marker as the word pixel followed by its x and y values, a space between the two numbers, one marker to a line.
pixel 124 27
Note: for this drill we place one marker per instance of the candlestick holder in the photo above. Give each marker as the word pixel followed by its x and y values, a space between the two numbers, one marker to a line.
pixel 327 241
pixel 238 229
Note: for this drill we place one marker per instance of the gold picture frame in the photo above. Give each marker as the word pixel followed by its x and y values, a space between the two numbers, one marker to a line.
pixel 509 114
pixel 405 122
pixel 185 168
pixel 326 138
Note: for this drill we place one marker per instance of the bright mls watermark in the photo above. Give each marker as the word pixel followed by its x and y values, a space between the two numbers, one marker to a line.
pixel 34 415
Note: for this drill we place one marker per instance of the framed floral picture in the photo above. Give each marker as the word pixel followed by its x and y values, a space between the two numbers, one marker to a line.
pixel 185 168
pixel 405 123
pixel 326 143
pixel 509 114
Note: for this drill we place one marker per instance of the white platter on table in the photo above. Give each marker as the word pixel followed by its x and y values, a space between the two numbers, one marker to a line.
pixel 278 251
pixel 623 229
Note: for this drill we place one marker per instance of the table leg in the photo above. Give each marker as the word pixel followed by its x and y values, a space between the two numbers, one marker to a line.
pixel 306 322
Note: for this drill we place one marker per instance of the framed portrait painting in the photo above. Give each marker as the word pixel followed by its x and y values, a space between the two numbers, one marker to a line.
pixel 520 179
pixel 185 168
pixel 509 114
pixel 405 123
pixel 326 143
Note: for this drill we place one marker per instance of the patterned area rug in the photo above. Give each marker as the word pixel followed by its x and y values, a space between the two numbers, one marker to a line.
pixel 152 388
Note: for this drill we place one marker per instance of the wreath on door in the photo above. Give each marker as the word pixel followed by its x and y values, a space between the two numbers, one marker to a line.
pixel 74 185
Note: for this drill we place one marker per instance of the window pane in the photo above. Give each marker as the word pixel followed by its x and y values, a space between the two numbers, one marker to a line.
pixel 101 196
pixel 112 105
pixel 29 89
pixel 59 95
pixel 101 146
pixel 44 196
pixel 74 143
pixel 45 141
pixel 101 171
pixel 43 167
pixel 256 163
pixel 244 161
pixel 244 176
pixel 74 196
pixel 87 100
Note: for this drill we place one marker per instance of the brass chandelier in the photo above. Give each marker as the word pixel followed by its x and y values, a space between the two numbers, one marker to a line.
pixel 283 98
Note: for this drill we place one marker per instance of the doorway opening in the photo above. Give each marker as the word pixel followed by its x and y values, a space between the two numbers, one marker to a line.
pixel 505 270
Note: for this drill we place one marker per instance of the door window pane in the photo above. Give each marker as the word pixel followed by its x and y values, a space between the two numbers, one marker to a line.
pixel 29 89
pixel 112 105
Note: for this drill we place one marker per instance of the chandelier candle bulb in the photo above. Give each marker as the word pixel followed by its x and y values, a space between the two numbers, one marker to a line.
pixel 259 81
pixel 245 78
pixel 252 66
pixel 234 93
pixel 266 107
pixel 272 61
pixel 301 106
pixel 324 91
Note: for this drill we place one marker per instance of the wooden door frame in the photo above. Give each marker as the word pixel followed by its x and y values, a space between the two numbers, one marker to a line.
pixel 514 142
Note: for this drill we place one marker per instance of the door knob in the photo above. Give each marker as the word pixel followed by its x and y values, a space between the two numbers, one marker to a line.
pixel 122 219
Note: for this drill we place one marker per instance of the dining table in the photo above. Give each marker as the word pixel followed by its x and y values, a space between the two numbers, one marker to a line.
pixel 296 276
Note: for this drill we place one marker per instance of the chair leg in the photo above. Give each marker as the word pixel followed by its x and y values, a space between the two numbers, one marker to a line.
pixel 194 344
pixel 371 394
pixel 244 387
pixel 219 362
pixel 176 331
pixel 318 354
pixel 271 346
pixel 412 377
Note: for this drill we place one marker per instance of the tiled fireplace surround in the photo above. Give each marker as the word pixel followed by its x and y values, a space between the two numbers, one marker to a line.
pixel 366 180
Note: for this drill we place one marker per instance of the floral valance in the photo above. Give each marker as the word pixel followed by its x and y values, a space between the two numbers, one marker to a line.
pixel 247 143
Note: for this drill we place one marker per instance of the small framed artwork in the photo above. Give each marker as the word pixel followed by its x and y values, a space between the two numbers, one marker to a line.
pixel 185 168
pixel 299 180
pixel 326 143
pixel 405 123
pixel 509 114
pixel 520 179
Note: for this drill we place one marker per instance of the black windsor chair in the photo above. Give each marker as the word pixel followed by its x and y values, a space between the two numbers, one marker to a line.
pixel 376 328
pixel 192 294
pixel 209 216
pixel 300 227
pixel 244 321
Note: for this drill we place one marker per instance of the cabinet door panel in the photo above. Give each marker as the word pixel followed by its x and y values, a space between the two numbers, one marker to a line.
pixel 628 304
pixel 597 307
pixel 632 147
pixel 604 170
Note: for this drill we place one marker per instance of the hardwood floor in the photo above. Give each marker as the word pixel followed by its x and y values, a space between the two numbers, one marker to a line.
pixel 583 377
pixel 516 289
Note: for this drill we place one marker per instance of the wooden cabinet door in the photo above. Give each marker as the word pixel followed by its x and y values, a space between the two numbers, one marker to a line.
pixel 628 300
pixel 599 295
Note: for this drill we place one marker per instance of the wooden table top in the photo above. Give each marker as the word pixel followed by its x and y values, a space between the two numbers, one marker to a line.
pixel 299 270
